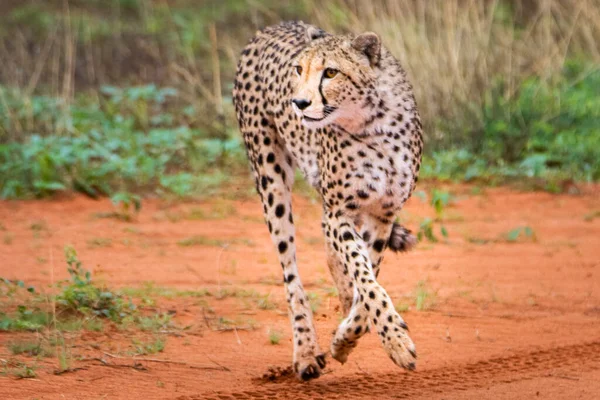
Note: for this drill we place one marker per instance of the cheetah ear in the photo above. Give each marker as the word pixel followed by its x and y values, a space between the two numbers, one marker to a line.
pixel 312 33
pixel 369 44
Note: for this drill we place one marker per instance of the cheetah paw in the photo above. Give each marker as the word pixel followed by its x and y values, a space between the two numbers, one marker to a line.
pixel 401 348
pixel 341 349
pixel 310 368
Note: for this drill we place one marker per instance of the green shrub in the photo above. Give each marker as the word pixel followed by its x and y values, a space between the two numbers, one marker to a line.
pixel 131 140
pixel 82 296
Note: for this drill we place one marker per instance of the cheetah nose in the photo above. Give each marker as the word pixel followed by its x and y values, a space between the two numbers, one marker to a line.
pixel 302 103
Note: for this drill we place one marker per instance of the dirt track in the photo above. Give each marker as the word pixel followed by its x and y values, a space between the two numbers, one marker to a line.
pixel 505 320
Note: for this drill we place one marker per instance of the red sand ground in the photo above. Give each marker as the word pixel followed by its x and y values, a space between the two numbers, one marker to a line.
pixel 508 320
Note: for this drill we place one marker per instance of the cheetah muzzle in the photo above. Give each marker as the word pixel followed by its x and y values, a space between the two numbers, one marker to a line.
pixel 341 110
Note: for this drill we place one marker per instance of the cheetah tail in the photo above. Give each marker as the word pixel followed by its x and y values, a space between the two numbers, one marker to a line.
pixel 401 239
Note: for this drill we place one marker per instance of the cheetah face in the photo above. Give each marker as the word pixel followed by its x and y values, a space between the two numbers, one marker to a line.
pixel 334 81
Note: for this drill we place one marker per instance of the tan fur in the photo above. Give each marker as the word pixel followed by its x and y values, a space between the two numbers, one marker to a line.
pixel 356 136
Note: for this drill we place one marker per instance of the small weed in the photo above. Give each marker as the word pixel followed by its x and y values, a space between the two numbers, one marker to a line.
pixel 81 296
pixel 591 216
pixel 25 371
pixel 274 337
pixel 516 234
pixel 270 280
pixel 402 307
pixel 264 303
pixel 331 291
pixel 30 348
pixel 439 201
pixel 99 242
pixel 131 229
pixel 8 238
pixel 65 358
pixel 206 241
pixel 424 297
pixel 38 226
pixel 235 292
pixel 24 320
pixel 427 229
pixel 154 322
pixel 315 301
pixel 141 348
pixel 93 325
pixel 218 211
pixel 479 241
pixel 128 205
pixel 202 241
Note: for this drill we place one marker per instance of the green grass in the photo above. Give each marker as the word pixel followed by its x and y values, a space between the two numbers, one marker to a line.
pixel 147 347
pixel 99 242
pixel 162 127
pixel 425 298
pixel 402 307
pixel 154 323
pixel 519 234
pixel 274 336
pixel 591 216
pixel 29 348
pixel 264 303
pixel 314 300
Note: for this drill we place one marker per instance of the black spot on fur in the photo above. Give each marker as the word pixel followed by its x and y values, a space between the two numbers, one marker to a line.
pixel 282 247
pixel 279 210
pixel 378 245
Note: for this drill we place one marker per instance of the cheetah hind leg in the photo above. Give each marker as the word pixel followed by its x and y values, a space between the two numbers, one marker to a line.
pixel 393 236
pixel 372 305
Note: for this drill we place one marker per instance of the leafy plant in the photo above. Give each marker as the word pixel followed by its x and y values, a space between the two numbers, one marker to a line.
pixel 153 346
pixel 82 296
pixel 520 232
pixel 25 319
pixel 30 348
pixel 427 228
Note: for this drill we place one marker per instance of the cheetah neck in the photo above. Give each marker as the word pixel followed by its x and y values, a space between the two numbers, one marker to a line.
pixel 394 104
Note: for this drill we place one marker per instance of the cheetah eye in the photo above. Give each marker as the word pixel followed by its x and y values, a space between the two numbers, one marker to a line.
pixel 298 69
pixel 330 73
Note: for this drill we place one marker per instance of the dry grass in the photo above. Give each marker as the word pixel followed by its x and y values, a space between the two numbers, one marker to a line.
pixel 453 50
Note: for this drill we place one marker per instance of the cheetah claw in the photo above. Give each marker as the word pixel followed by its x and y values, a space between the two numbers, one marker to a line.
pixel 401 350
pixel 310 370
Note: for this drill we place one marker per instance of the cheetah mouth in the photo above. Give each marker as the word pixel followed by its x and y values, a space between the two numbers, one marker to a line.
pixel 314 119
pixel 327 111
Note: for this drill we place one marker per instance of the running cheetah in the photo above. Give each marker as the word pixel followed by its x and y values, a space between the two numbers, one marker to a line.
pixel 341 109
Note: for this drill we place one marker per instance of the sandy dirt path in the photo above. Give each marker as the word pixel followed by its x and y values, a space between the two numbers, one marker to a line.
pixel 501 320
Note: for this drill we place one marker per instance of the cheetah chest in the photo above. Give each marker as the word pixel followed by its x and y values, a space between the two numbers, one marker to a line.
pixel 364 174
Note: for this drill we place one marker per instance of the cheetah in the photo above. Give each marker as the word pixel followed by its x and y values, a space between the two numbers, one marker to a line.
pixel 339 108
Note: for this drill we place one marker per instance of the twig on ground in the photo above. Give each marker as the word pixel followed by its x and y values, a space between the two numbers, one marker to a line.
pixel 68 370
pixel 234 328
pixel 218 367
pixel 137 366
pixel 213 361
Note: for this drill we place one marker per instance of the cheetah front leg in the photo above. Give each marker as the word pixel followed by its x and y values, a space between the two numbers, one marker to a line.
pixel 274 175
pixel 371 302
pixel 343 281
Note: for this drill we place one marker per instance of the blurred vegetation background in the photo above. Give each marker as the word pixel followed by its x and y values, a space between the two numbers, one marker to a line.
pixel 108 97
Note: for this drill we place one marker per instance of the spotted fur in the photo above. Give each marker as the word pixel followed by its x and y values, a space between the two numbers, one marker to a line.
pixel 340 109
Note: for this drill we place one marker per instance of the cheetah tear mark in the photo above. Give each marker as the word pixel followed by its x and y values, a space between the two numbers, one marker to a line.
pixel 481 374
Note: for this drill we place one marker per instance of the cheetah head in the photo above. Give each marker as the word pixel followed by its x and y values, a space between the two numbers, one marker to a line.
pixel 335 80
